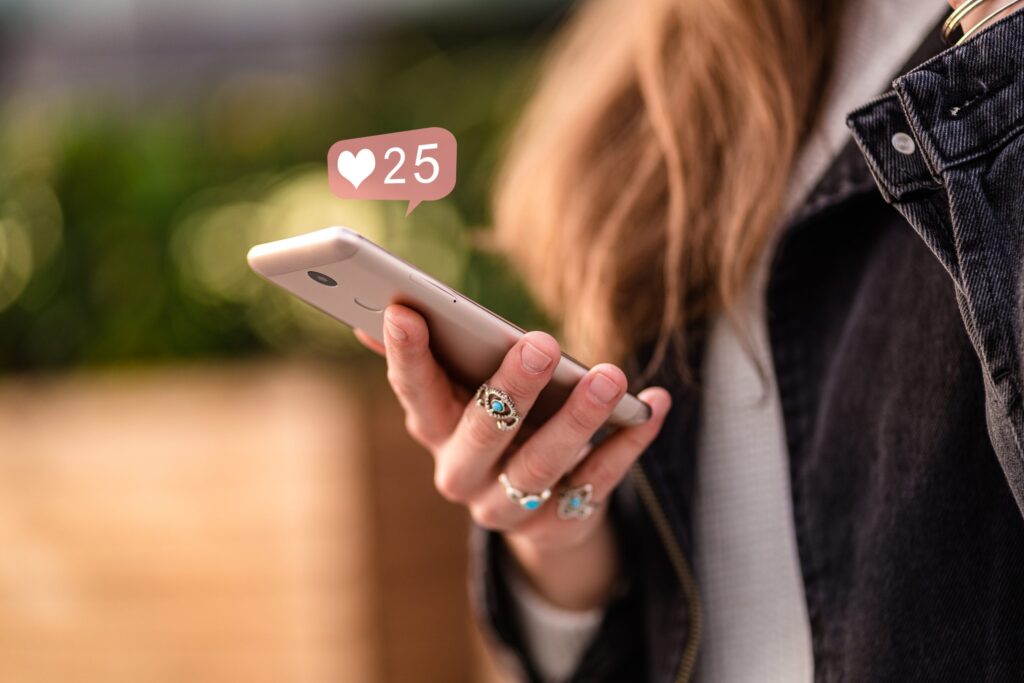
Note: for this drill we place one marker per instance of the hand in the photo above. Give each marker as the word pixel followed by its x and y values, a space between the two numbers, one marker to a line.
pixel 571 562
pixel 979 13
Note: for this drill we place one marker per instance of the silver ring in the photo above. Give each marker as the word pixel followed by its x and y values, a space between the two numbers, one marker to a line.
pixel 576 502
pixel 527 501
pixel 498 405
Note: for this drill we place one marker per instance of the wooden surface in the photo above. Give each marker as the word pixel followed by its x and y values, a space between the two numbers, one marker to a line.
pixel 257 522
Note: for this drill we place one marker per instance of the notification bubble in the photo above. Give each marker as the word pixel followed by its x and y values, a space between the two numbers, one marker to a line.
pixel 414 165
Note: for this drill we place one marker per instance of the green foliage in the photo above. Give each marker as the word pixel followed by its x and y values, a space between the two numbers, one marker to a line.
pixel 123 227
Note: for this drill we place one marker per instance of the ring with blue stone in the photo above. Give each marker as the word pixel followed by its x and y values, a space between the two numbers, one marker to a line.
pixel 498 405
pixel 576 502
pixel 527 501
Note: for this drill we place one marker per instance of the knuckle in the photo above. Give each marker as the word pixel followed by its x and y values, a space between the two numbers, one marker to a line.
pixel 582 418
pixel 399 383
pixel 448 482
pixel 602 475
pixel 488 517
pixel 514 378
pixel 518 386
pixel 539 468
pixel 417 429
pixel 480 433
pixel 638 440
pixel 413 426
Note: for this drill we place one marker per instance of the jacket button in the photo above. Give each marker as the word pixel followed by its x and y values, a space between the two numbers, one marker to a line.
pixel 904 144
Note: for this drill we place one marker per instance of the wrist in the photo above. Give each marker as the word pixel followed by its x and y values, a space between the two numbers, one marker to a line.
pixel 580 576
pixel 973 15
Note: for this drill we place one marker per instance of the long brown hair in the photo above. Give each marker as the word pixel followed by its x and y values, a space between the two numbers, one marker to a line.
pixel 648 172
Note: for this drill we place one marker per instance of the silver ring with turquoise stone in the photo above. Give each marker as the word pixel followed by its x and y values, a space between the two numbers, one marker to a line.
pixel 498 405
pixel 576 502
pixel 525 500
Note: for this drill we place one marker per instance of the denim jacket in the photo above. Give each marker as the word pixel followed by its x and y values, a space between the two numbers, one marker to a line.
pixel 895 308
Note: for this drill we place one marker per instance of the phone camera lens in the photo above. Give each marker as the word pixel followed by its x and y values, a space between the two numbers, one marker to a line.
pixel 325 280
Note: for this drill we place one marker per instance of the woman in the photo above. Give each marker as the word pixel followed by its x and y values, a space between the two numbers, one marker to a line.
pixel 833 474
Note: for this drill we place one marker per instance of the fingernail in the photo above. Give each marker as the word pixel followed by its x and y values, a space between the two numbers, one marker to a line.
pixel 603 389
pixel 659 401
pixel 394 330
pixel 534 359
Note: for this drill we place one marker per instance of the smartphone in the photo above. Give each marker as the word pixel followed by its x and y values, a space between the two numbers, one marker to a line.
pixel 353 280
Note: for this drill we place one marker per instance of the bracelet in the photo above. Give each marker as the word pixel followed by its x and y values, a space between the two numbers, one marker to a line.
pixel 957 17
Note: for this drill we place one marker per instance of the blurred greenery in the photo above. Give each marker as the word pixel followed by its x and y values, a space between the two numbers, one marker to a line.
pixel 124 222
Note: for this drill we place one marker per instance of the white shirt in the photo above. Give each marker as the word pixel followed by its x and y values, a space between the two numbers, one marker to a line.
pixel 756 626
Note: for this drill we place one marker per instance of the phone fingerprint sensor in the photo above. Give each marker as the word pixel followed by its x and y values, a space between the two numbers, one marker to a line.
pixel 368 306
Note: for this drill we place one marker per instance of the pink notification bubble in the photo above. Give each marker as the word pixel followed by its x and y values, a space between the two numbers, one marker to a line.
pixel 415 165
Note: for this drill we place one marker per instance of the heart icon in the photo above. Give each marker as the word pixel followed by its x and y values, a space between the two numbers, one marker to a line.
pixel 356 168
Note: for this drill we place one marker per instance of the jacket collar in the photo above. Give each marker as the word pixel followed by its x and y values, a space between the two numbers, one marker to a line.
pixel 848 175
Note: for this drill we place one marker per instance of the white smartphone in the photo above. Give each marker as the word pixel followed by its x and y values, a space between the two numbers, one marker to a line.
pixel 351 279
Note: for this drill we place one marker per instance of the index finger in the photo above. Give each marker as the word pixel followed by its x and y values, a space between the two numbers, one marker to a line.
pixel 423 388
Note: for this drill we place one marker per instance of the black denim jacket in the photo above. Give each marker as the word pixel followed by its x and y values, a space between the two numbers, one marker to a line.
pixel 896 317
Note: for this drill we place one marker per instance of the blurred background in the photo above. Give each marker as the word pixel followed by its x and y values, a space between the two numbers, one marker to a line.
pixel 201 478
